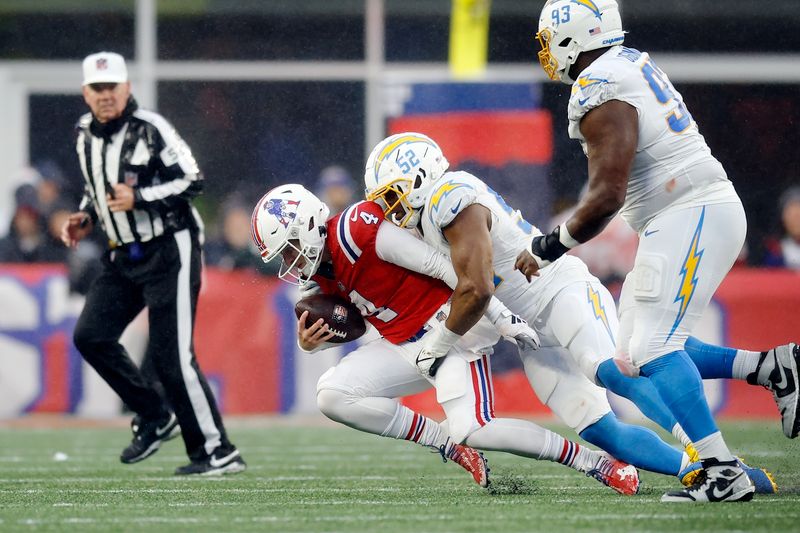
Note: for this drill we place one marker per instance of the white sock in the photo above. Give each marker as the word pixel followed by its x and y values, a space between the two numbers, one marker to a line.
pixel 380 416
pixel 713 447
pixel 527 439
pixel 408 425
pixel 745 363
pixel 685 461
pixel 680 434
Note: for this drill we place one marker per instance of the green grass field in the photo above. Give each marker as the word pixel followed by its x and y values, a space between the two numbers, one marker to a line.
pixel 319 477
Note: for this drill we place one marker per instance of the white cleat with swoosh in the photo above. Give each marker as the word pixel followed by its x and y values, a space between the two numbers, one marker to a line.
pixel 723 482
pixel 777 371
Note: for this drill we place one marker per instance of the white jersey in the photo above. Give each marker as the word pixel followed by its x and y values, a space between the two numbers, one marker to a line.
pixel 673 165
pixel 450 195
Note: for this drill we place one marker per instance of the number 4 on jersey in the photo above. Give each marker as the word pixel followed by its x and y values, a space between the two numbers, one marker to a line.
pixel 368 308
pixel 369 218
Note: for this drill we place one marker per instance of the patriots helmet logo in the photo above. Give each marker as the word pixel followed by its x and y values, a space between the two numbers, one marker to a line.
pixel 284 210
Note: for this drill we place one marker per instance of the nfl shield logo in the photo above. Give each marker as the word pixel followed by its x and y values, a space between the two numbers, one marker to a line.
pixel 101 64
pixel 131 179
pixel 339 314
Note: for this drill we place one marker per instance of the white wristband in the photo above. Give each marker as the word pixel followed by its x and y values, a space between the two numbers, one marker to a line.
pixel 440 341
pixel 565 238
pixel 494 310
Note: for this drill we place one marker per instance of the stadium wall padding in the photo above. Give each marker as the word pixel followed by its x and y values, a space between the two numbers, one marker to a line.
pixel 245 341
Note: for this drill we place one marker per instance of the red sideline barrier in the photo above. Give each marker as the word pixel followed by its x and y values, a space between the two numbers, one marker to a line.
pixel 245 342
pixel 760 309
pixel 237 340
pixel 489 138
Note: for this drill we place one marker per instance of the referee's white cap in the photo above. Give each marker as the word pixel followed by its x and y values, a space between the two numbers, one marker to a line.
pixel 104 67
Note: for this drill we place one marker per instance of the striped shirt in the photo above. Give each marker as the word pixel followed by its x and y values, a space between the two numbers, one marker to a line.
pixel 148 154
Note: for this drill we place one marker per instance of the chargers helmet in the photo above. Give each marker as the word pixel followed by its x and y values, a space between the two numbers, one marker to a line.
pixel 290 221
pixel 400 171
pixel 569 27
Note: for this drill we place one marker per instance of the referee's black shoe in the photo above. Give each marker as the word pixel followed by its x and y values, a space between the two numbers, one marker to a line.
pixel 218 463
pixel 148 436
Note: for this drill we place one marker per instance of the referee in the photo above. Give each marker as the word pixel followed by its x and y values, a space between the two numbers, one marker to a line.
pixel 140 178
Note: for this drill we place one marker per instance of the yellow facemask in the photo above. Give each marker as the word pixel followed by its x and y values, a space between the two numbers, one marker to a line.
pixel 389 197
pixel 546 59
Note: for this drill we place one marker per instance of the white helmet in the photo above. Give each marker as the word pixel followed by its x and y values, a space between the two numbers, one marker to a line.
pixel 291 218
pixel 400 171
pixel 569 27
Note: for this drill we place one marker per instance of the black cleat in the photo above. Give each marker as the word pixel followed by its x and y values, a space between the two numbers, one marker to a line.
pixel 215 464
pixel 148 436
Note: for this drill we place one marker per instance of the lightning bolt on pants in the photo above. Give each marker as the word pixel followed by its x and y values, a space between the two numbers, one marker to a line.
pixel 677 270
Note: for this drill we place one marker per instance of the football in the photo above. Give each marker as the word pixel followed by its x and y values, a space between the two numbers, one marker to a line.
pixel 342 317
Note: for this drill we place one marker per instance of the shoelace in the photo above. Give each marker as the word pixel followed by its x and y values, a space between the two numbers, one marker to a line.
pixel 442 450
pixel 602 472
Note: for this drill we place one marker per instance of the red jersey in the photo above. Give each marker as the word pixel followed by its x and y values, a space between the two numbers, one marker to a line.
pixel 396 301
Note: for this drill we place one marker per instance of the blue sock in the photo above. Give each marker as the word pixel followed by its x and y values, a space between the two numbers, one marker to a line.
pixel 636 445
pixel 712 361
pixel 638 390
pixel 678 383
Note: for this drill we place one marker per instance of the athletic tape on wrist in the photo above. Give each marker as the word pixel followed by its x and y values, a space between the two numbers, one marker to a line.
pixel 442 340
pixel 565 238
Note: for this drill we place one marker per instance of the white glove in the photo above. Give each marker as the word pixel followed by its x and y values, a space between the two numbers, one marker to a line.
pixel 435 346
pixel 309 288
pixel 515 329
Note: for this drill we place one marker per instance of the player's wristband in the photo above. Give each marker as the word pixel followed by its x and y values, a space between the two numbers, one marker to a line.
pixel 548 247
pixel 494 310
pixel 440 341
pixel 565 238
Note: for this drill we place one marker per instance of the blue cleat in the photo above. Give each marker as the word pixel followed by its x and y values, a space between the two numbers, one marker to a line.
pixel 763 481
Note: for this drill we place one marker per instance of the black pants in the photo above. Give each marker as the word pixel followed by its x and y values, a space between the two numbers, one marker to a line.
pixel 164 276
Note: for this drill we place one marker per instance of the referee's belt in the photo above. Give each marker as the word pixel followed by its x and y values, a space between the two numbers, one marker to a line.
pixel 421 333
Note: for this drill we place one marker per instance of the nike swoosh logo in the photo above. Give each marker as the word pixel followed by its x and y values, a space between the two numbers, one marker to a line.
pixel 354 218
pixel 722 494
pixel 582 102
pixel 780 385
pixel 786 384
pixel 161 431
pixel 216 463
pixel 650 232
pixel 455 209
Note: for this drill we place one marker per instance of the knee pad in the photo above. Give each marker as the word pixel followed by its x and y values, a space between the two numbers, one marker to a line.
pixel 581 407
pixel 574 399
pixel 333 404
pixel 461 423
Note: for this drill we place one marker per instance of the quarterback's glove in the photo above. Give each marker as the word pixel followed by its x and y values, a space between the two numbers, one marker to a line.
pixel 515 329
pixel 309 288
pixel 435 346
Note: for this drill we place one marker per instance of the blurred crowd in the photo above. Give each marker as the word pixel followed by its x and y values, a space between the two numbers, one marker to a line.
pixel 44 198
